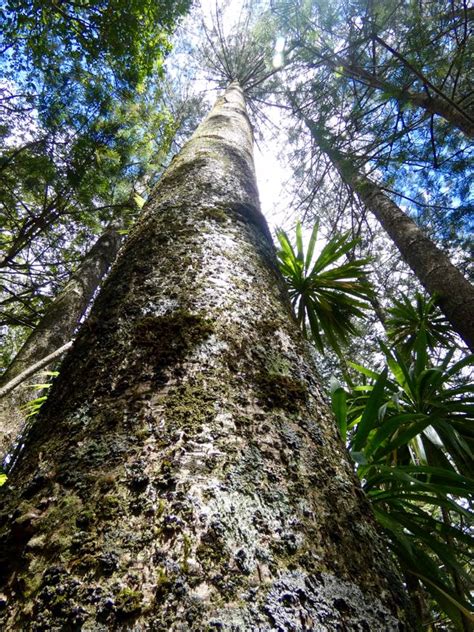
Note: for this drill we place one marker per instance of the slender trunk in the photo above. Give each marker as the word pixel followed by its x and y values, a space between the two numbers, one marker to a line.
pixel 34 368
pixel 53 331
pixel 430 264
pixel 185 473
pixel 431 103
pixel 419 601
pixel 379 310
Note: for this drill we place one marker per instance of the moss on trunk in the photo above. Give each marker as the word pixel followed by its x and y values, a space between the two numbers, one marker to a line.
pixel 186 473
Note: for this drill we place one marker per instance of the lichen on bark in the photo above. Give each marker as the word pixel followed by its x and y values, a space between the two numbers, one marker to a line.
pixel 187 444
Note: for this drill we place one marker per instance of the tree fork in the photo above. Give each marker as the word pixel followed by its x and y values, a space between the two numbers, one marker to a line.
pixel 185 472
pixel 54 330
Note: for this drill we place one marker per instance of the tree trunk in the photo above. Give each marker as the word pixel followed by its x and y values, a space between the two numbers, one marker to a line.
pixel 430 102
pixel 466 622
pixel 185 473
pixel 430 264
pixel 451 112
pixel 53 331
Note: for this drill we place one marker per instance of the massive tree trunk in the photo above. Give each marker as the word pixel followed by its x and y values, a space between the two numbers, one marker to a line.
pixel 53 331
pixel 430 264
pixel 185 473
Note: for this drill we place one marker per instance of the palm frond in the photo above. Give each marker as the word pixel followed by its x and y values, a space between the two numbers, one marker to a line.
pixel 409 320
pixel 411 432
pixel 326 294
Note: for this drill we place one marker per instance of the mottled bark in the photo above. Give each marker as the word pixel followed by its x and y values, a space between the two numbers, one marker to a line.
pixel 185 473
pixel 53 331
pixel 432 267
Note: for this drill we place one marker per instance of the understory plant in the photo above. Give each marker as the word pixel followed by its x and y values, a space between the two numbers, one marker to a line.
pixel 328 291
pixel 29 410
pixel 409 429
pixel 408 426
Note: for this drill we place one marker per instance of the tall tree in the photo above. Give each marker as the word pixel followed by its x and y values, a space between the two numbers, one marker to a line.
pixel 374 73
pixel 185 472
pixel 391 48
pixel 82 123
pixel 76 56
pixel 430 264
pixel 54 330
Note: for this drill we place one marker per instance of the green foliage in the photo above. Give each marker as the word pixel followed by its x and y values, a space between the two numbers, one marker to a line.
pixel 410 430
pixel 371 67
pixel 33 406
pixel 83 125
pixel 408 321
pixel 425 411
pixel 325 293
pixel 125 40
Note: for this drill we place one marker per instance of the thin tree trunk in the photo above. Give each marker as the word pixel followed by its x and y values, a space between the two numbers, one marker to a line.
pixel 430 102
pixel 34 368
pixel 53 331
pixel 185 473
pixel 419 601
pixel 429 263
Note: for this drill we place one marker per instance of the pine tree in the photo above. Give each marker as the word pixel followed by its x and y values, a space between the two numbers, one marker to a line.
pixel 185 472
pixel 430 264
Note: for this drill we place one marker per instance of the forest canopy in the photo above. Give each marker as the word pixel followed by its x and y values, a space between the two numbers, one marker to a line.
pixel 367 107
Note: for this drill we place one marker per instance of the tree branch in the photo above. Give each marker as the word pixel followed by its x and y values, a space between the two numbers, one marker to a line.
pixel 12 384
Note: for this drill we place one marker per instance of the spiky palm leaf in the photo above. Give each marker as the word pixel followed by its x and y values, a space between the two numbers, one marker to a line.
pixel 411 433
pixel 407 320
pixel 326 293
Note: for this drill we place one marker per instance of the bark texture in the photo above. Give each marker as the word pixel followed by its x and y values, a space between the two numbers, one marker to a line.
pixel 430 264
pixel 53 331
pixel 185 473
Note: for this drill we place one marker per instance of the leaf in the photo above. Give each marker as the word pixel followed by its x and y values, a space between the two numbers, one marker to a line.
pixel 359 457
pixel 418 563
pixel 299 242
pixel 454 600
pixel 312 243
pixel 362 369
pixel 139 200
pixel 330 295
pixel 404 436
pixel 388 427
pixel 370 415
